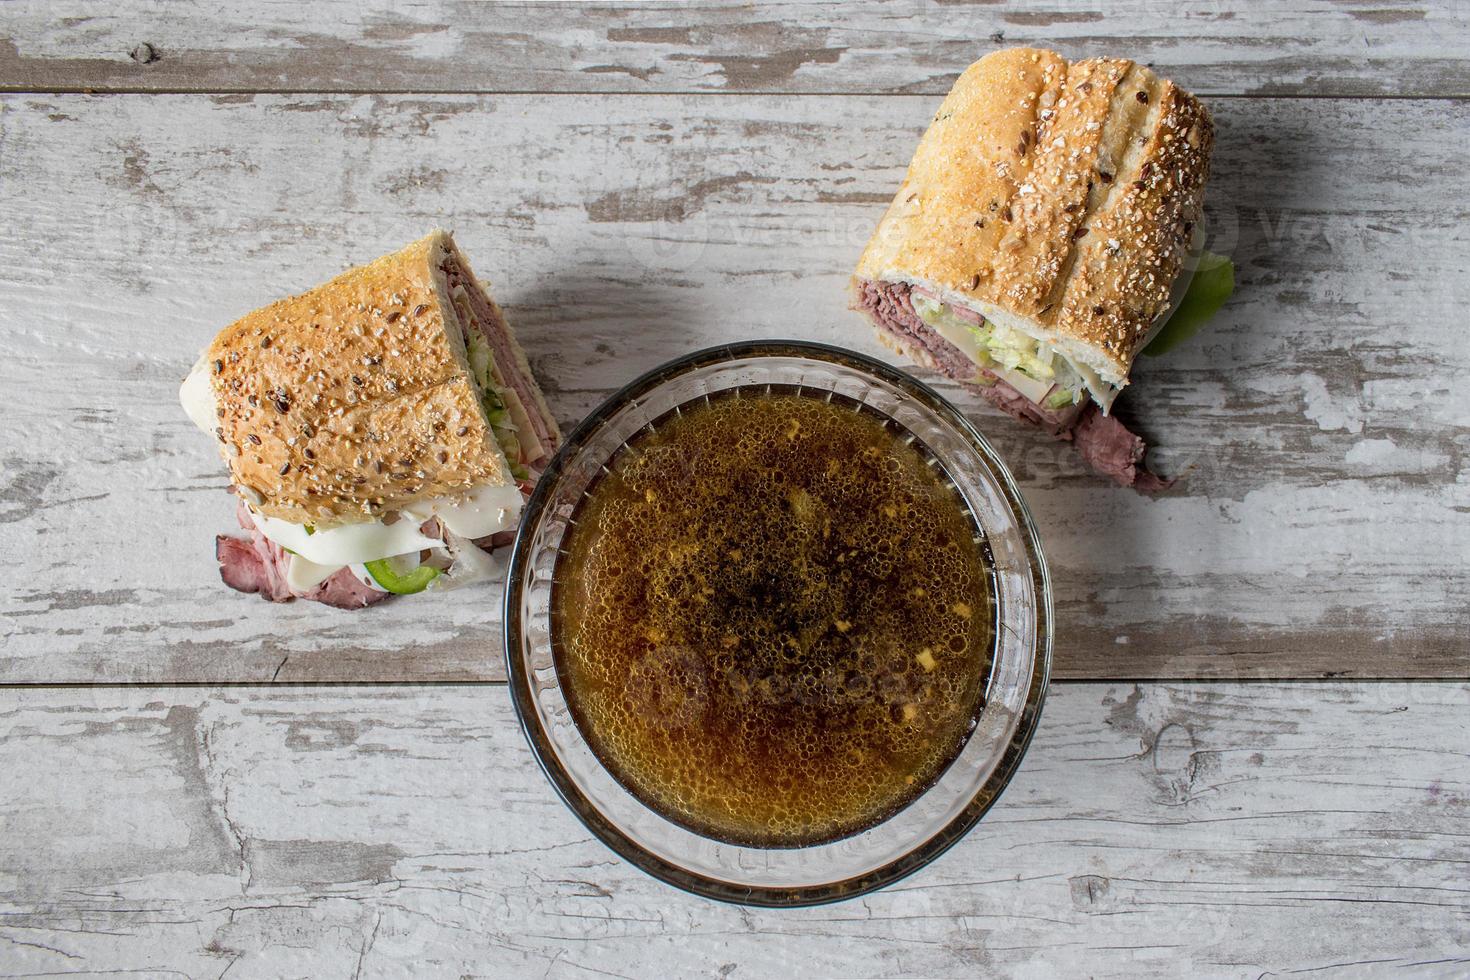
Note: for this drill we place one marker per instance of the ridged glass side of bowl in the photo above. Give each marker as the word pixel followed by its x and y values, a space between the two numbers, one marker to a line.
pixel 1014 693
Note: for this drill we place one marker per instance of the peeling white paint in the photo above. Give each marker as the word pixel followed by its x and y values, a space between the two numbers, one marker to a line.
pixel 395 832
pixel 1328 412
pixel 1272 522
pixel 1371 451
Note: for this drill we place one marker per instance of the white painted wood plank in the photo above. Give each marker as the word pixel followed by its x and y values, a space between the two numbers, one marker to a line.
pixel 1160 830
pixel 1321 419
pixel 1308 47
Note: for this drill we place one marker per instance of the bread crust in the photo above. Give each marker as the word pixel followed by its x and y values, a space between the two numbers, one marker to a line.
pixel 523 364
pixel 1063 195
pixel 353 399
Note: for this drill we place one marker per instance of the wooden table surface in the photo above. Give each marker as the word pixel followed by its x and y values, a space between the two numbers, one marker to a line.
pixel 1255 759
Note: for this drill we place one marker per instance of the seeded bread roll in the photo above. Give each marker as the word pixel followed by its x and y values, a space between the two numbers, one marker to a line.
pixel 354 399
pixel 1057 199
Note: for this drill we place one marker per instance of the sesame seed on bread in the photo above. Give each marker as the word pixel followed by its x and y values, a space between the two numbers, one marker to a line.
pixel 353 399
pixel 1055 198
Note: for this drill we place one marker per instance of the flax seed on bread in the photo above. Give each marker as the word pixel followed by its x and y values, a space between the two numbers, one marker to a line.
pixel 354 398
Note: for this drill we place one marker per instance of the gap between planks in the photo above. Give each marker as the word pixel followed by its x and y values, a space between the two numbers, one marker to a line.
pixel 246 685
pixel 676 94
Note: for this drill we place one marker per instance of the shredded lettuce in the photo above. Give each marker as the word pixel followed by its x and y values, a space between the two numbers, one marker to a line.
pixel 1006 349
pixel 482 363
pixel 1060 398
pixel 1214 281
pixel 1015 351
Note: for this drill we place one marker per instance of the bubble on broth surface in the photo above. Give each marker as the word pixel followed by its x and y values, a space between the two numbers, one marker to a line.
pixel 772 619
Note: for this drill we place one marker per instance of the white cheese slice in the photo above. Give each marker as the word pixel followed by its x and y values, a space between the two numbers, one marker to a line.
pixel 965 341
pixel 1028 386
pixel 478 514
pixel 348 544
pixel 197 397
pixel 483 511
pixel 303 575
pixel 470 565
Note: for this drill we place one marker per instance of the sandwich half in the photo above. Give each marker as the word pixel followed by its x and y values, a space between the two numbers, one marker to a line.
pixel 380 431
pixel 1039 237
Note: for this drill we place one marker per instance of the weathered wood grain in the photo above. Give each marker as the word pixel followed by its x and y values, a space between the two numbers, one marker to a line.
pixel 1321 420
pixel 1306 47
pixel 1154 830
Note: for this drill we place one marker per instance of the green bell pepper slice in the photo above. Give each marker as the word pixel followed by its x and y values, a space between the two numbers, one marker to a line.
pixel 405 584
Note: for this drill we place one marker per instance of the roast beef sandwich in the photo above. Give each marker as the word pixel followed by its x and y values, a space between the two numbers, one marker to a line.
pixel 1038 239
pixel 380 431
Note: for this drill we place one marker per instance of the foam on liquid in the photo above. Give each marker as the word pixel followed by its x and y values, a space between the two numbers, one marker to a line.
pixel 773 618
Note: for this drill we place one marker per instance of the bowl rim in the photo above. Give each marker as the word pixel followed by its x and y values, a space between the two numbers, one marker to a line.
pixel 609 833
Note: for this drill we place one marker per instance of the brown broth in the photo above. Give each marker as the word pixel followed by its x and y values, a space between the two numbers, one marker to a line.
pixel 772 618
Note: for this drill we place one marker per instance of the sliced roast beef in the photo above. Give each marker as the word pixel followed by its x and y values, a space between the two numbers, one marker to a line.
pixel 499 539
pixel 343 590
pixel 243 571
pixel 890 306
pixel 493 328
pixel 259 565
pixel 1058 423
pixel 1112 450
pixel 1106 444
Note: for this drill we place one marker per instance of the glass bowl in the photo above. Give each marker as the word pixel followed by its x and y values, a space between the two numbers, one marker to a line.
pixel 916 834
